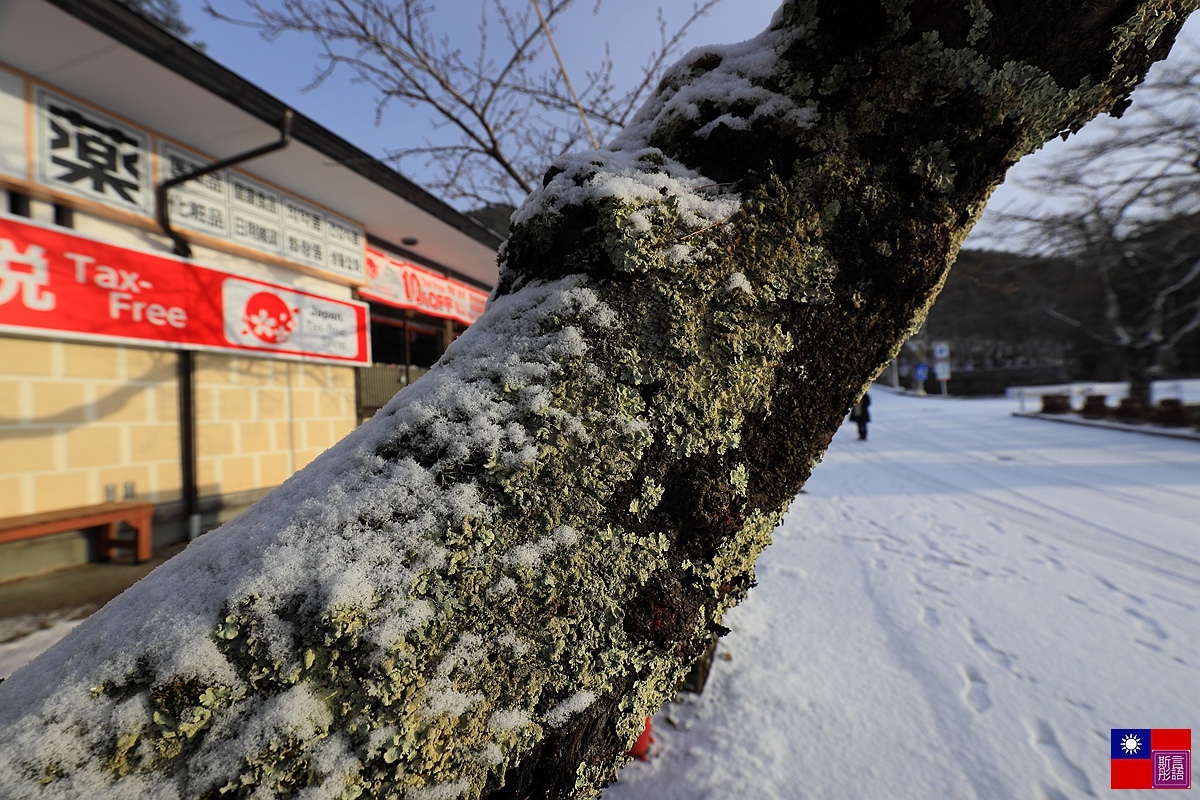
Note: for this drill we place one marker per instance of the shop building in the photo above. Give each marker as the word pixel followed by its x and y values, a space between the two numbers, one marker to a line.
pixel 200 290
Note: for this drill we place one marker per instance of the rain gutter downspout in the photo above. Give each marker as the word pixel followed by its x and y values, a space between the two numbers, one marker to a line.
pixel 186 364
pixel 160 191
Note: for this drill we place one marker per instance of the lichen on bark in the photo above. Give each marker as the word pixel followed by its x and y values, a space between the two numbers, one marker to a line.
pixel 485 589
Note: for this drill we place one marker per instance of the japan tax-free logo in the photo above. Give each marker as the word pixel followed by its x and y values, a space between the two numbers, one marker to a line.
pixel 269 318
pixel 1151 758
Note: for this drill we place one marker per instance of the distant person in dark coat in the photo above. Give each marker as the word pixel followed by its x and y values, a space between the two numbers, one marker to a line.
pixel 861 416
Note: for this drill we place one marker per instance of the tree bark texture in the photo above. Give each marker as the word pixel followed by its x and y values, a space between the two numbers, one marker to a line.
pixel 484 590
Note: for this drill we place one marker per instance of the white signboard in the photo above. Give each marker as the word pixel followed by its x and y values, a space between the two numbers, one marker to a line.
pixel 404 285
pixel 12 126
pixel 201 204
pixel 88 154
pixel 272 318
pixel 233 206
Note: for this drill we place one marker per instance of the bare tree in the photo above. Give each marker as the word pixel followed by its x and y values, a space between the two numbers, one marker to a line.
pixel 1123 205
pixel 1148 282
pixel 503 111
pixel 484 590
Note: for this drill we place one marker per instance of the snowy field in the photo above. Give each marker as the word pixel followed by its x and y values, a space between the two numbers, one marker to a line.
pixel 960 607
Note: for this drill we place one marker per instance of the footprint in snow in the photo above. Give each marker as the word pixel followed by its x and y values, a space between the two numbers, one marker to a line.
pixel 1147 624
pixel 1054 563
pixel 975 693
pixel 1080 704
pixel 921 581
pixel 1112 587
pixel 1002 658
pixel 1175 602
pixel 930 617
pixel 1044 740
pixel 1050 793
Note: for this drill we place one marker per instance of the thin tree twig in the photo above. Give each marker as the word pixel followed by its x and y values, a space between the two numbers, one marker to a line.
pixel 566 77
pixel 699 231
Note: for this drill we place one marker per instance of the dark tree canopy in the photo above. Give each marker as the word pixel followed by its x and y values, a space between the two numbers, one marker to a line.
pixel 166 13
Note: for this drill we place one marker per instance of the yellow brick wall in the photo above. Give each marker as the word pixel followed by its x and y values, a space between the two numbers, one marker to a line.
pixel 259 420
pixel 74 417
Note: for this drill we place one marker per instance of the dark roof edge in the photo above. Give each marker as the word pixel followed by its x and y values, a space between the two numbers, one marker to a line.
pixel 146 37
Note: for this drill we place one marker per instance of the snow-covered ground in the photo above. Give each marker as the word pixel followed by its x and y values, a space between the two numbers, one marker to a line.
pixel 962 606
pixel 1029 398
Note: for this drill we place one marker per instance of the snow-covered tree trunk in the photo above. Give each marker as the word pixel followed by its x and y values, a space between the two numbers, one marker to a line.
pixel 485 589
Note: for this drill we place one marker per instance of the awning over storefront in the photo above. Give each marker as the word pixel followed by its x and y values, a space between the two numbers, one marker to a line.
pixel 405 285
pixel 59 283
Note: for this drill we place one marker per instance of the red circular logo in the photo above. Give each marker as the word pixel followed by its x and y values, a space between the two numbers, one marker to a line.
pixel 269 318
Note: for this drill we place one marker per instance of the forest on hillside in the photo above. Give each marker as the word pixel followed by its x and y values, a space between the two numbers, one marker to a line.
pixel 1013 319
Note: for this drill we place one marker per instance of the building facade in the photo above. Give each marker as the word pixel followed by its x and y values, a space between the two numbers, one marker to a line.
pixel 200 290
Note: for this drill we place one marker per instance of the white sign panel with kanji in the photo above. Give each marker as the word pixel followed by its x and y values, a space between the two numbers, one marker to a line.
pixel 201 204
pixel 233 206
pixel 84 152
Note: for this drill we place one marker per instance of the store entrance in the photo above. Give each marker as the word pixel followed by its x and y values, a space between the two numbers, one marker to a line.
pixel 402 350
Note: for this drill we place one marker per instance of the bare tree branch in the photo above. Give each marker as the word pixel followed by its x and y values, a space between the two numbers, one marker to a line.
pixel 502 114
pixel 1124 205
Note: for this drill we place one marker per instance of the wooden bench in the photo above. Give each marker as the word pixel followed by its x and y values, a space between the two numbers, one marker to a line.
pixel 1056 404
pixel 105 515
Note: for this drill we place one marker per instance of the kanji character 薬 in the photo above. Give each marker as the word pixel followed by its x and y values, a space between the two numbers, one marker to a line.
pixel 103 158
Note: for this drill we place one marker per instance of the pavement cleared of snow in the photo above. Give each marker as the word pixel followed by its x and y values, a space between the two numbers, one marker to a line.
pixel 31 642
pixel 962 606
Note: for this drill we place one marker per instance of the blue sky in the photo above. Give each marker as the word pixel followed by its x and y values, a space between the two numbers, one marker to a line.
pixel 285 66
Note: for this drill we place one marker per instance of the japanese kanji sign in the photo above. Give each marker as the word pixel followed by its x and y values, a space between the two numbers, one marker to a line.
pixel 87 153
pixel 233 206
pixel 1151 758
pixel 405 285
pixel 81 151
pixel 56 282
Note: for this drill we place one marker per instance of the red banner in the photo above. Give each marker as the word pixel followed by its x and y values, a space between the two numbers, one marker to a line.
pixel 52 281
pixel 405 285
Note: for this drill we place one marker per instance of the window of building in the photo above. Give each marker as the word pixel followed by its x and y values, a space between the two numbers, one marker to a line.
pixel 424 345
pixel 18 204
pixel 402 351
pixel 64 216
pixel 387 341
